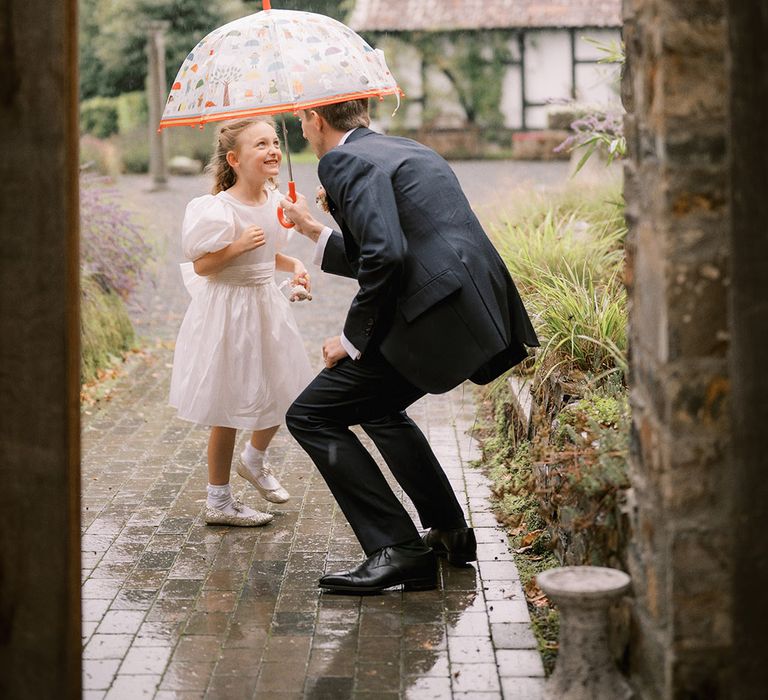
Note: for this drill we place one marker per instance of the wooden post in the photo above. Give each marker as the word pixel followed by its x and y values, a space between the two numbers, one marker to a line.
pixel 748 24
pixel 40 643
pixel 156 96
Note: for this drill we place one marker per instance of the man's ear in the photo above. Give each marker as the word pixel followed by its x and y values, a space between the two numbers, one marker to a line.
pixel 318 119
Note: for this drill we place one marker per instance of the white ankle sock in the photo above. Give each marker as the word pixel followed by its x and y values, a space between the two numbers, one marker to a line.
pixel 252 457
pixel 219 496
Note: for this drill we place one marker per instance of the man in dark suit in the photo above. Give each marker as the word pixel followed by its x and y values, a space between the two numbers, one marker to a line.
pixel 436 306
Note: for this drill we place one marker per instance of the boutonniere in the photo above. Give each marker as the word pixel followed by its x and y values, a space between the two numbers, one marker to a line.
pixel 322 200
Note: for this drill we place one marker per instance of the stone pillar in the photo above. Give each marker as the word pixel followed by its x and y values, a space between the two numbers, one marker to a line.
pixel 157 94
pixel 677 276
pixel 748 26
pixel 40 642
pixel 584 669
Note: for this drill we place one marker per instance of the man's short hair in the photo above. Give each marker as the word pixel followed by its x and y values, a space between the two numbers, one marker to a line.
pixel 344 116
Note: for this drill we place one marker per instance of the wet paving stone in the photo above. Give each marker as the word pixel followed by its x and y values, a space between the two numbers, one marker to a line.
pixel 176 610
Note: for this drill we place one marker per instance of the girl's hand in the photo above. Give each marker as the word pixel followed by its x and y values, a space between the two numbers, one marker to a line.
pixel 250 239
pixel 301 277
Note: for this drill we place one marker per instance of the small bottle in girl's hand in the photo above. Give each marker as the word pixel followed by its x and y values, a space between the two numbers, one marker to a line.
pixel 239 360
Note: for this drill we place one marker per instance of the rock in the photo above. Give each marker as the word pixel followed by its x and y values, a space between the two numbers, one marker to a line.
pixel 183 165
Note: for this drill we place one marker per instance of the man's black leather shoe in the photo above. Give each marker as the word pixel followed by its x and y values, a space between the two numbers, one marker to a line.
pixel 458 545
pixel 413 568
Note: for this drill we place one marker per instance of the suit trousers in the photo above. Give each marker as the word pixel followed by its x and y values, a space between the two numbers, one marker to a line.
pixel 370 393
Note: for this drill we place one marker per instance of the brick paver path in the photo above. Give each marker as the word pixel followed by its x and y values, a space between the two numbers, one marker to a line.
pixel 175 609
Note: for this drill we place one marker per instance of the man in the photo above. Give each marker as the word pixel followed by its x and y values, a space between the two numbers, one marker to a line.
pixel 435 306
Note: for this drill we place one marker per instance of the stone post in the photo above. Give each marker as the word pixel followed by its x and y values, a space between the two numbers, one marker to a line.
pixel 40 643
pixel 156 97
pixel 584 668
pixel 680 554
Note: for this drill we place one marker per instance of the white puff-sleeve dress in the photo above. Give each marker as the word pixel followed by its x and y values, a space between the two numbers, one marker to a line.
pixel 239 360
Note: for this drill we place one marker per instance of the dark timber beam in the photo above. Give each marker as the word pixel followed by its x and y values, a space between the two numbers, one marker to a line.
pixel 40 642
pixel 748 74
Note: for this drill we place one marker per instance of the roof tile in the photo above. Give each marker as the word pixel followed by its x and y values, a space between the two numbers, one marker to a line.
pixel 446 15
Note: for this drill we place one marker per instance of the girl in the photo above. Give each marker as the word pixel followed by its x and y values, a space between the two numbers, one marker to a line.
pixel 239 359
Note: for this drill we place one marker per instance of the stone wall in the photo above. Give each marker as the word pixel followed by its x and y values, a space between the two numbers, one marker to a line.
pixel 675 91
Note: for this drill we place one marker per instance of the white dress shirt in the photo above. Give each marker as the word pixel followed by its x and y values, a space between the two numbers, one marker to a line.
pixel 317 259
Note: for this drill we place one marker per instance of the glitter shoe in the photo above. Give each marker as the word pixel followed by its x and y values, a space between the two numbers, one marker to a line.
pixel 264 481
pixel 242 516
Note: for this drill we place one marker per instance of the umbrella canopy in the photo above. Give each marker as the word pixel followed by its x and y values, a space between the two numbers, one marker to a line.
pixel 271 62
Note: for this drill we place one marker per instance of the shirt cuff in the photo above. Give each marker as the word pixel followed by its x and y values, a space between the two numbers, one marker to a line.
pixel 322 241
pixel 352 351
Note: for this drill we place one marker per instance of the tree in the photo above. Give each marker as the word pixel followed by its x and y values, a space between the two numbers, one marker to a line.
pixel 113 40
pixel 474 63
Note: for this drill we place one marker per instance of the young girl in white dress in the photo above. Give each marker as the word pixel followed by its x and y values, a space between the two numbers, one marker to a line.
pixel 239 360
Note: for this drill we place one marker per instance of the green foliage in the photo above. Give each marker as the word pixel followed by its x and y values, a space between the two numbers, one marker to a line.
pixel 599 131
pixel 566 253
pixel 134 151
pixel 106 330
pixel 561 493
pixel 586 458
pixel 98 116
pixel 475 64
pixel 132 111
pixel 583 324
pixel 113 39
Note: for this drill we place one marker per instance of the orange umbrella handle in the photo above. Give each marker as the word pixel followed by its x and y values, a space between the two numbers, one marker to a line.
pixel 292 196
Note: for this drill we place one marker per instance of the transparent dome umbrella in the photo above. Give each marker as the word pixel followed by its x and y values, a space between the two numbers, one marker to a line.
pixel 273 62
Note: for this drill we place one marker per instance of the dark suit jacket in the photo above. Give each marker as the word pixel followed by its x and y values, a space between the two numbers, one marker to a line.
pixel 435 297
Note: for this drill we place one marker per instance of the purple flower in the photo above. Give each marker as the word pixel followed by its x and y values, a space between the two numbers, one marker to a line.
pixel 112 248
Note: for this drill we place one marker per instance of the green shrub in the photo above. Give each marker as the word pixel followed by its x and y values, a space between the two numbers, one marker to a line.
pixel 192 142
pixel 132 111
pixel 134 151
pixel 98 116
pixel 583 483
pixel 99 156
pixel 566 253
pixel 582 324
pixel 578 228
pixel 106 330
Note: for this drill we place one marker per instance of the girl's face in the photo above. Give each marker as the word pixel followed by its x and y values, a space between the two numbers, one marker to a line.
pixel 258 155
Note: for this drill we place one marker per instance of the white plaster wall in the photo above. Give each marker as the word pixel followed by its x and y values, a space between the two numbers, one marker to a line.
pixel 547 71
pixel 547 75
pixel 405 63
pixel 597 84
pixel 512 98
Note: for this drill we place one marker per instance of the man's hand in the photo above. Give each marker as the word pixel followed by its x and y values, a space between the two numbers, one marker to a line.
pixel 333 351
pixel 298 213
pixel 250 239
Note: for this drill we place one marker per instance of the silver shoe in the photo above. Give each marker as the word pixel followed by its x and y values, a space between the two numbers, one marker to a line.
pixel 243 516
pixel 273 495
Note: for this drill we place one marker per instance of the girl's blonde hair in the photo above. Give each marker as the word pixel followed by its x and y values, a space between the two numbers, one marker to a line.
pixel 227 134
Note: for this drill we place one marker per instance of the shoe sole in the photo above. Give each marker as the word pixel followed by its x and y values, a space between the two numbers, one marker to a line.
pixel 415 585
pixel 232 523
pixel 243 472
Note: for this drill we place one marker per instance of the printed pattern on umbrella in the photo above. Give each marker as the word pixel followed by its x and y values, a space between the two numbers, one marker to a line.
pixel 271 61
